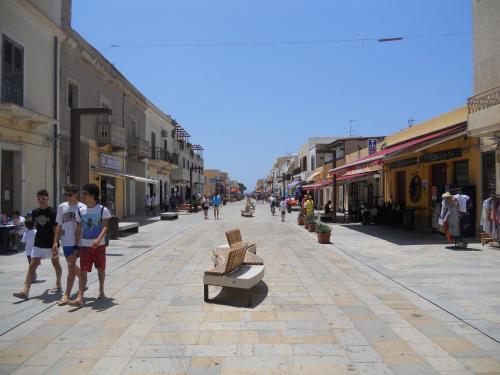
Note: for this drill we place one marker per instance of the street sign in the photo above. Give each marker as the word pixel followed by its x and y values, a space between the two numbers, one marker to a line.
pixel 372 146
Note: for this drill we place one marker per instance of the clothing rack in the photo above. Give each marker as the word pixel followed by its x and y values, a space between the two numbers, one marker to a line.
pixel 490 221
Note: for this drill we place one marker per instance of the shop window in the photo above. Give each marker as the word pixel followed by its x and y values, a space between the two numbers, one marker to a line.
pixel 12 72
pixel 489 173
pixel 461 172
pixel 133 127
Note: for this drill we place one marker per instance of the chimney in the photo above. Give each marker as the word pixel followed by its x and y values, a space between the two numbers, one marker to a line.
pixel 66 14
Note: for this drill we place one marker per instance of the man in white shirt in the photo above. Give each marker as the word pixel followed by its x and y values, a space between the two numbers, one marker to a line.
pixel 66 233
pixel 93 224
pixel 283 209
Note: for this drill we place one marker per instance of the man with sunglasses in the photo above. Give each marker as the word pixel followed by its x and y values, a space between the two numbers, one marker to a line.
pixel 45 220
pixel 66 233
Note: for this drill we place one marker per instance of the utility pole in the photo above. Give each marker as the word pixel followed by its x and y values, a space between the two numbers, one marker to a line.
pixel 191 169
pixel 74 159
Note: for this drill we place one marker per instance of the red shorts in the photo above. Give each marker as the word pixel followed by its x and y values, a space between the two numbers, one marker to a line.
pixel 92 255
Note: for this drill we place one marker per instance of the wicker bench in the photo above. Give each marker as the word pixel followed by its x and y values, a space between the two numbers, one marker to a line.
pixel 231 272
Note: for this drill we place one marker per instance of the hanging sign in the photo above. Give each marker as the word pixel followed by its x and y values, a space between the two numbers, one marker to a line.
pixel 110 162
pixel 372 146
pixel 441 155
pixel 403 163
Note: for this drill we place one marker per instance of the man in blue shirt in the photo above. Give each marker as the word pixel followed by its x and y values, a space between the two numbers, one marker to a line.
pixel 216 202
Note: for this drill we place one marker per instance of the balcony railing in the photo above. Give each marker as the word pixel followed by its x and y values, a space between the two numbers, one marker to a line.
pixel 138 148
pixel 12 91
pixel 484 100
pixel 110 135
pixel 157 153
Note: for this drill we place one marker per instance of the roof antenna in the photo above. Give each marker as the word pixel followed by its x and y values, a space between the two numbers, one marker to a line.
pixel 411 121
pixel 350 127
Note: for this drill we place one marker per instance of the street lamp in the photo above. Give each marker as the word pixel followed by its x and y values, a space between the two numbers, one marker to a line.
pixel 191 169
pixel 74 158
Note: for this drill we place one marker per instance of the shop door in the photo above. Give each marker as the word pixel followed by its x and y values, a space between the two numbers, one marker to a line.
pixel 7 200
pixel 108 189
pixel 488 174
pixel 401 188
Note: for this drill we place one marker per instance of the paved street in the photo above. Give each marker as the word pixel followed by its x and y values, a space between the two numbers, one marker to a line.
pixel 377 301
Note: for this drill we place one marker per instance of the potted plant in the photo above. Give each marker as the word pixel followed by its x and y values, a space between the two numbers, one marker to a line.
pixel 324 232
pixel 311 223
pixel 301 219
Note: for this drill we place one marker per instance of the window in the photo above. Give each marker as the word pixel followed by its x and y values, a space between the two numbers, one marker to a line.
pixel 133 127
pixel 105 103
pixel 304 164
pixel 165 145
pixel 73 95
pixel 313 167
pixel 461 172
pixel 183 162
pixel 153 145
pixel 12 72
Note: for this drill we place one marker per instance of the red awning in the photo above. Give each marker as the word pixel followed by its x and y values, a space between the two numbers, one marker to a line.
pixel 377 157
pixel 354 176
pixel 317 185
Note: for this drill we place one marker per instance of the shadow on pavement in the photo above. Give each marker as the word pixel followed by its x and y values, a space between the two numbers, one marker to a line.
pixel 398 236
pixel 96 304
pixel 46 297
pixel 237 298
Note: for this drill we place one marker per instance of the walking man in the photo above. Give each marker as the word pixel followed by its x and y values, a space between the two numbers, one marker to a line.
pixel 92 226
pixel 45 220
pixel 148 205
pixel 66 231
pixel 216 201
pixel 205 204
pixel 283 209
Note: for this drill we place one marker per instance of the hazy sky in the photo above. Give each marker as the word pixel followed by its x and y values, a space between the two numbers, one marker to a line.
pixel 247 104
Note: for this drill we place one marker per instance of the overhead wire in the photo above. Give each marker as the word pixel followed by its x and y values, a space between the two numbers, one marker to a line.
pixel 111 45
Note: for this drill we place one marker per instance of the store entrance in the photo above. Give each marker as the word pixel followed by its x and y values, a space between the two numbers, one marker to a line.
pixel 108 193
pixel 7 186
pixel 401 188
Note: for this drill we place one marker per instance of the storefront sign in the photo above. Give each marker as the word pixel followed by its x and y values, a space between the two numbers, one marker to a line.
pixel 372 146
pixel 441 155
pixel 403 163
pixel 110 162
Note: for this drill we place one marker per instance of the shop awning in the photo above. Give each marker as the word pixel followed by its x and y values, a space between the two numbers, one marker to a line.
pixel 313 176
pixel 377 157
pixel 442 140
pixel 294 184
pixel 317 185
pixel 354 176
pixel 111 173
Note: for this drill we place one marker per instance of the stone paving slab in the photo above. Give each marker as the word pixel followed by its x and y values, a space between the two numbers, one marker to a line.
pixel 317 311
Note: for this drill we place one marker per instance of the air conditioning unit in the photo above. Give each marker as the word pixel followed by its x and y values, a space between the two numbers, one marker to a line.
pixel 164 133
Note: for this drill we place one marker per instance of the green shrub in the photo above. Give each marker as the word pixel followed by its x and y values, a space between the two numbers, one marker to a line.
pixel 323 228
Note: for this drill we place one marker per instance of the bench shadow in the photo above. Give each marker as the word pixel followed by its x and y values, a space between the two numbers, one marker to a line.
pixel 237 298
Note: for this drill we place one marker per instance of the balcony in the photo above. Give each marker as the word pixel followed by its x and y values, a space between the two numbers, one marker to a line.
pixel 110 135
pixel 484 113
pixel 162 158
pixel 138 148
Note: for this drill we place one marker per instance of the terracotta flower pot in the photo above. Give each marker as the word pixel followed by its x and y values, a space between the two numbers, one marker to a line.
pixel 324 237
pixel 312 228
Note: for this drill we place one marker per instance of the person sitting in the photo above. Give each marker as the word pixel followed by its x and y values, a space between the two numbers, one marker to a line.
pixel 328 209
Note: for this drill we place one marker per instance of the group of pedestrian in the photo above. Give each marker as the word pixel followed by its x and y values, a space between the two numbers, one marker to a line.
pixel 80 228
pixel 205 205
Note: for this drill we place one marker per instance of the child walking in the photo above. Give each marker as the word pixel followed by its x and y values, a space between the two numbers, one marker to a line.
pixel 29 240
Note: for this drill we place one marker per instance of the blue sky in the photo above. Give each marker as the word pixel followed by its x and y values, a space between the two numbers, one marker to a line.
pixel 247 105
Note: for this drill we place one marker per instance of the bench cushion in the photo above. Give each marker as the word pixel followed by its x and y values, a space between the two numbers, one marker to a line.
pixel 245 277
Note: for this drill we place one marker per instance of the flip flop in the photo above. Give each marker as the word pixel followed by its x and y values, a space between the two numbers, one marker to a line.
pixel 55 290
pixel 75 303
pixel 62 303
pixel 20 295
